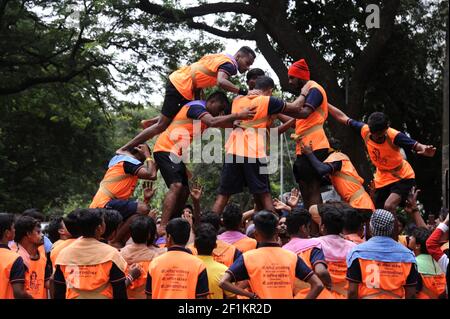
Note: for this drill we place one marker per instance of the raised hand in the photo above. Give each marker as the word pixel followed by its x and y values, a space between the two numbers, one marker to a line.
pixel 426 150
pixel 411 201
pixel 196 192
pixel 294 198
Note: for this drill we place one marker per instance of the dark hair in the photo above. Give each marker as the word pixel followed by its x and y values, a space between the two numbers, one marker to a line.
pixel 264 83
pixel 352 220
pixel 421 235
pixel 112 221
pixel 247 50
pixel 25 225
pixel 205 239
pixel 232 217
pixel 332 219
pixel 71 223
pixel 443 213
pixel 220 97
pixel 377 122
pixel 179 229
pixel 143 230
pixel 335 143
pixel 53 229
pixel 256 72
pixel 296 219
pixel 88 220
pixel 189 207
pixel 266 223
pixel 6 222
pixel 408 228
pixel 35 213
pixel 212 218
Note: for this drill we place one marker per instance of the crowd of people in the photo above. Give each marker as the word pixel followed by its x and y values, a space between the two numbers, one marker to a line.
pixel 301 248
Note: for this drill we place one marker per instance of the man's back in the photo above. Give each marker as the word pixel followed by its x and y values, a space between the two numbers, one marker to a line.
pixel 175 275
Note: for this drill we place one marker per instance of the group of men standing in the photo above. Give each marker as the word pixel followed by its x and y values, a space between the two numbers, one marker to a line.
pixel 249 115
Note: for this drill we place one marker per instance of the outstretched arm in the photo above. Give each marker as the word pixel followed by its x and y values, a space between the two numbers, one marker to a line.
pixel 227 120
pixel 339 116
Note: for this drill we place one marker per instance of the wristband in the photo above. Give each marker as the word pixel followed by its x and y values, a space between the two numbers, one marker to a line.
pixel 148 159
pixel 304 95
pixel 243 92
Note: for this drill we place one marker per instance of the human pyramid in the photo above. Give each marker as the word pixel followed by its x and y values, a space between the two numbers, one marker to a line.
pixel 303 249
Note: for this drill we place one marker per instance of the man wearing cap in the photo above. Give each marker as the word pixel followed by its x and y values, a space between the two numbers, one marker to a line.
pixel 381 268
pixel 309 129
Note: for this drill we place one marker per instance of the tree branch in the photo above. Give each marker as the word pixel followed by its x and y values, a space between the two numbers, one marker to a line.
pixel 271 55
pixel 244 35
pixel 176 15
pixel 368 58
pixel 29 82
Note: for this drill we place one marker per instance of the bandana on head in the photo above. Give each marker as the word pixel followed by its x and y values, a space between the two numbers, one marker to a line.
pixel 382 223
pixel 299 70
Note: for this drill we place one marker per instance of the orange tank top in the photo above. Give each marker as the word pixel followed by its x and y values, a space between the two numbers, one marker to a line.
pixel 136 290
pixel 339 287
pixel 348 184
pixel 175 275
pixel 223 253
pixel 179 134
pixel 432 286
pixel 311 128
pixel 57 247
pixel 7 260
pixel 391 167
pixel 116 184
pixel 245 244
pixel 383 280
pixel 199 75
pixel 249 140
pixel 35 276
pixel 271 271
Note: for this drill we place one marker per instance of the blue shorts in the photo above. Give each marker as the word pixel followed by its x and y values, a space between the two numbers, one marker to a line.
pixel 126 208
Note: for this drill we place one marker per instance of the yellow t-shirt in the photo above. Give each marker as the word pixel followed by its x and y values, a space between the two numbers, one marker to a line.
pixel 215 272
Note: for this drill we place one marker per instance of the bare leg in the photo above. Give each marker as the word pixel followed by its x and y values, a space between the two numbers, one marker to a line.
pixel 173 200
pixel 123 233
pixel 311 196
pixel 220 203
pixel 266 201
pixel 391 205
pixel 145 135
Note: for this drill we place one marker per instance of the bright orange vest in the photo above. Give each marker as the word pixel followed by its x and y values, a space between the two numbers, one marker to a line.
pixel 348 184
pixel 179 134
pixel 249 140
pixel 432 286
pixel 245 244
pixel 88 281
pixel 383 280
pixel 35 276
pixel 7 260
pixel 199 75
pixel 175 275
pixel 223 253
pixel 136 290
pixel 271 271
pixel 57 247
pixel 302 288
pixel 391 167
pixel 311 128
pixel 116 184
pixel 339 287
